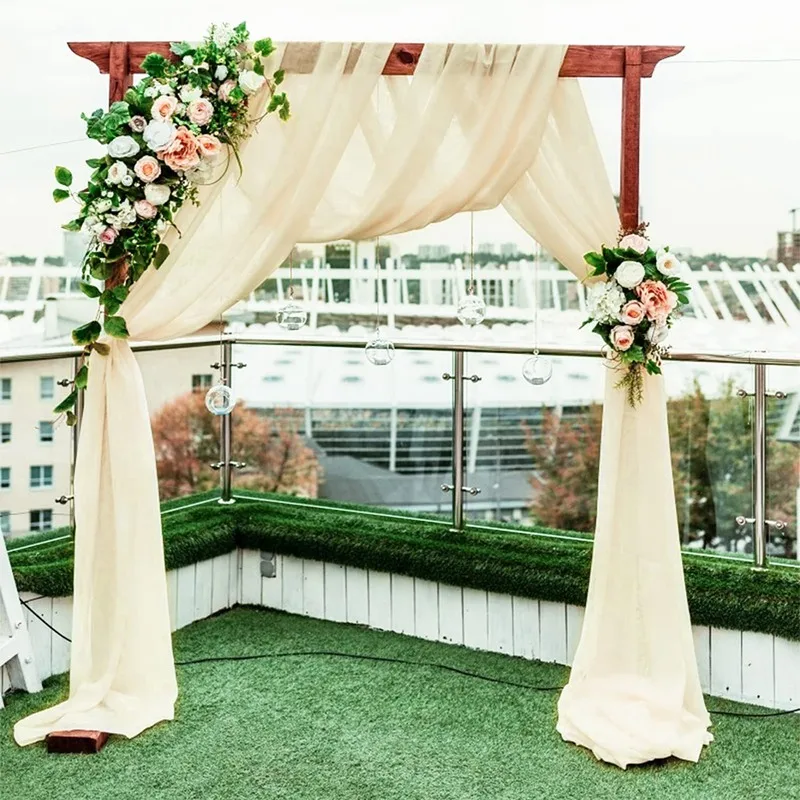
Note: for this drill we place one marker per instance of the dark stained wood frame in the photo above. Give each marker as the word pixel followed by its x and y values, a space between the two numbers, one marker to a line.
pixel 122 60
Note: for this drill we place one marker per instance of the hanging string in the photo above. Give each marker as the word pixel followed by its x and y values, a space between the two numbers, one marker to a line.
pixel 471 252
pixel 377 282
pixel 536 257
pixel 290 293
pixel 221 351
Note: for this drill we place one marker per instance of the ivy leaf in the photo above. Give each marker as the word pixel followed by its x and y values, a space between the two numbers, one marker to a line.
pixel 63 176
pixel 60 194
pixel 109 302
pixel 101 347
pixel 264 47
pixel 284 112
pixel 120 292
pixel 278 76
pixel 115 326
pixel 82 377
pixel 155 65
pixel 72 420
pixel 162 251
pixel 181 49
pixel 88 333
pixel 99 270
pixel 89 290
pixel 241 28
pixel 72 225
pixel 67 403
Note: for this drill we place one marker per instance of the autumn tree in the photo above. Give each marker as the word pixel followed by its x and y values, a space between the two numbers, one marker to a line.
pixel 187 437
pixel 711 444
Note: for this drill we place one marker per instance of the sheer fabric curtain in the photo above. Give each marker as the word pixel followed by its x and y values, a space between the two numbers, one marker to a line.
pixel 337 170
pixel 634 691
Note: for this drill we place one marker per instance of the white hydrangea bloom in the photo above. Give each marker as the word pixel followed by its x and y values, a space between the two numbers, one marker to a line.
pixel 605 301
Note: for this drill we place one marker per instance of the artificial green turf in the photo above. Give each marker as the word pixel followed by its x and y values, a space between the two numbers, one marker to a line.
pixel 554 566
pixel 324 728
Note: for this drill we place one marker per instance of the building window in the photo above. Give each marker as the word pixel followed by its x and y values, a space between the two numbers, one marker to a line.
pixel 5 477
pixel 5 388
pixel 41 477
pixel 42 520
pixel 201 383
pixel 5 432
pixel 45 431
pixel 47 388
pixel 5 522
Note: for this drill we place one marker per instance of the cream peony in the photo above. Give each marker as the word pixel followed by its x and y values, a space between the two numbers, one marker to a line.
pixel 634 242
pixel 190 93
pixel 145 209
pixel 221 72
pixel 210 147
pixel 250 81
pixel 123 147
pixel 667 263
pixel 156 193
pixel 629 274
pixel 201 111
pixel 658 301
pixel 632 313
pixel 158 135
pixel 622 337
pixel 147 169
pixel 116 172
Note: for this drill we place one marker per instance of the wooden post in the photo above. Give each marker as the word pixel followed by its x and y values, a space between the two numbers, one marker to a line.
pixel 631 124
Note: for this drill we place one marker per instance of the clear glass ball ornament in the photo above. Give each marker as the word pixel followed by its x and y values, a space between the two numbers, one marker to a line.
pixel 537 370
pixel 292 317
pixel 379 351
pixel 220 400
pixel 471 310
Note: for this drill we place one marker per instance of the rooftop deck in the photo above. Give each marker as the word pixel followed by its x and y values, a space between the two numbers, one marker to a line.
pixel 325 726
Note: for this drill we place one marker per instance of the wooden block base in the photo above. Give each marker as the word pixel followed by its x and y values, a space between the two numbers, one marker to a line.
pixel 76 741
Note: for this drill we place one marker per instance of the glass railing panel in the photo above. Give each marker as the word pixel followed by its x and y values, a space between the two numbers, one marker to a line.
pixel 335 427
pixel 35 447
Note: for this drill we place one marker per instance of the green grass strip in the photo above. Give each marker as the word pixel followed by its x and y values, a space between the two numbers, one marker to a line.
pixel 553 565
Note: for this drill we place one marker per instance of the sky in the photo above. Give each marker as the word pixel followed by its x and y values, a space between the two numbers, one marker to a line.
pixel 720 138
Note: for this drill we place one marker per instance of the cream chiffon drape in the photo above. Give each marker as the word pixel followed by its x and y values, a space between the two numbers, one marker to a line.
pixel 367 155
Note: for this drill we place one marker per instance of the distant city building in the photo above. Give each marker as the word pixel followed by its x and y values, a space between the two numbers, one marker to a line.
pixel 509 249
pixel 788 247
pixel 487 247
pixel 75 244
pixel 434 252
pixel 682 252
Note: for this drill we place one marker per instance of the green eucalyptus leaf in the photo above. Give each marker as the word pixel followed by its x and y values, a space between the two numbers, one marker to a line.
pixel 82 377
pixel 72 225
pixel 162 251
pixel 67 403
pixel 88 333
pixel 115 326
pixel 109 302
pixel 60 194
pixel 120 292
pixel 89 290
pixel 63 176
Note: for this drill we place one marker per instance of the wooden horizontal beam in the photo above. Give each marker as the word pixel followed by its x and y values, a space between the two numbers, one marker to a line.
pixel 580 61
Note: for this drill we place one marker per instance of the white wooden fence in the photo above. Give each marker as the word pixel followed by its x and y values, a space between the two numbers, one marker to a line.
pixel 740 665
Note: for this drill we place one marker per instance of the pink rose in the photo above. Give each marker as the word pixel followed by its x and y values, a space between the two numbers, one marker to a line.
pixel 164 107
pixel 658 301
pixel 181 154
pixel 138 123
pixel 210 146
pixel 225 90
pixel 200 111
pixel 622 337
pixel 147 169
pixel 108 236
pixel 145 209
pixel 632 313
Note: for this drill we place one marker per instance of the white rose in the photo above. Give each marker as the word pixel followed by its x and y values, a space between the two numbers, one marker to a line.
pixel 127 179
pixel 657 333
pixel 156 193
pixel 221 73
pixel 221 34
pixel 201 174
pixel 157 135
pixel 629 274
pixel 101 206
pixel 151 91
pixel 123 147
pixel 163 88
pixel 250 81
pixel 634 242
pixel 189 93
pixel 667 263
pixel 188 61
pixel 116 172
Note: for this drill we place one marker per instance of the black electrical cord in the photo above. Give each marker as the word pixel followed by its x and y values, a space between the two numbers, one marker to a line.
pixel 387 660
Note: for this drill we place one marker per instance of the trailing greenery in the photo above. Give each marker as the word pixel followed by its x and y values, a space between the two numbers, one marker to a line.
pixel 555 567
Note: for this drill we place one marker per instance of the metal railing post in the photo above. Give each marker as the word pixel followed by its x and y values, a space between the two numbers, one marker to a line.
pixel 760 467
pixel 458 441
pixel 226 427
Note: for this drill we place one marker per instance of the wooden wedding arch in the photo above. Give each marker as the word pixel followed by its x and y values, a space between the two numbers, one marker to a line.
pixel 122 60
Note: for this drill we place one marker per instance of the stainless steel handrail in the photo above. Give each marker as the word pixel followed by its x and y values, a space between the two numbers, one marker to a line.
pixel 770 358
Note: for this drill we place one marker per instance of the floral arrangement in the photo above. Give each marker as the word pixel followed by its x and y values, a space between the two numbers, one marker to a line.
pixel 176 129
pixel 634 308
